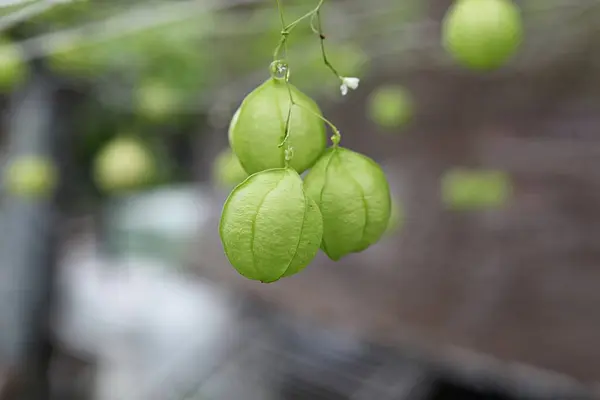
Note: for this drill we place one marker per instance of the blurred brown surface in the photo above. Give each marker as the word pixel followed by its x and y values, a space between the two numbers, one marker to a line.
pixel 521 283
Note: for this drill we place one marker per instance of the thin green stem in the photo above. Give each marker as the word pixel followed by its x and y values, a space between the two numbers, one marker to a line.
pixel 284 34
pixel 280 9
pixel 283 43
pixel 287 122
pixel 307 15
pixel 314 14
pixel 312 24
pixel 337 137
pixel 322 40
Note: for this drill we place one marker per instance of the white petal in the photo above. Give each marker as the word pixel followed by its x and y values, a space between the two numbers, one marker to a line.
pixel 344 89
pixel 352 83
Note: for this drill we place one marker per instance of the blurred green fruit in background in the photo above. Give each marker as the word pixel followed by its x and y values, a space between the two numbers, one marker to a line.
pixel 30 176
pixel 156 100
pixel 464 189
pixel 482 34
pixel 390 106
pixel 124 164
pixel 227 170
pixel 13 69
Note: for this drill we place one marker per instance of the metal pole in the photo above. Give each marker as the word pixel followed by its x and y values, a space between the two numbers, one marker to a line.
pixel 28 243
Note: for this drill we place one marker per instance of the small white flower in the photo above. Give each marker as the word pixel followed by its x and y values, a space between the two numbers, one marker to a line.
pixel 348 82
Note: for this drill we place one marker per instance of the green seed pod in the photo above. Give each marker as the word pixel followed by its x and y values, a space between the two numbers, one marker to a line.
pixel 354 197
pixel 464 189
pixel 30 176
pixel 124 164
pixel 157 100
pixel 269 228
pixel 13 70
pixel 258 128
pixel 390 106
pixel 482 34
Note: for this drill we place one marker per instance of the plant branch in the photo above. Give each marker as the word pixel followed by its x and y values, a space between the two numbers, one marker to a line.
pixel 283 43
pixel 307 15
pixel 336 132
pixel 322 40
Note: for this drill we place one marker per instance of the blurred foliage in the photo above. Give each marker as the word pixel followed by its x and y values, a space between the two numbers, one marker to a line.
pixel 166 78
pixel 194 55
pixel 79 59
pixel 68 13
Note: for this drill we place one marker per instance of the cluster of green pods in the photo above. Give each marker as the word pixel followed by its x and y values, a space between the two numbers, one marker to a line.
pixel 274 222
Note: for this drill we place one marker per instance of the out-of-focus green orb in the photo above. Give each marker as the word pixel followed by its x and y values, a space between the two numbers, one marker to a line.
pixel 30 176
pixel 13 70
pixel 124 164
pixel 390 106
pixel 464 189
pixel 156 100
pixel 227 170
pixel 482 34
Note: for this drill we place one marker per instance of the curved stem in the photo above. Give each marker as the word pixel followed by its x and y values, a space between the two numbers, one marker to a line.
pixel 308 14
pixel 337 137
pixel 287 122
pixel 283 40
pixel 280 9
pixel 322 40
pixel 285 31
pixel 278 48
pixel 283 43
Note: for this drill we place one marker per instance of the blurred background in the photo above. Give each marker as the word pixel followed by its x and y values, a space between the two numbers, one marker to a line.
pixel 115 166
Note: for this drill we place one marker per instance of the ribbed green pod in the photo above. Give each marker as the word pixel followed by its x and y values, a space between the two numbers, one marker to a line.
pixel 269 228
pixel 353 195
pixel 258 128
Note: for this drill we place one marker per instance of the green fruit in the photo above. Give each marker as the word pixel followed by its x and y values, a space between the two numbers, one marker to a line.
pixel 13 69
pixel 482 34
pixel 156 100
pixel 390 106
pixel 124 164
pixel 227 170
pixel 353 195
pixel 463 189
pixel 30 176
pixel 260 128
pixel 269 228
pixel 232 124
